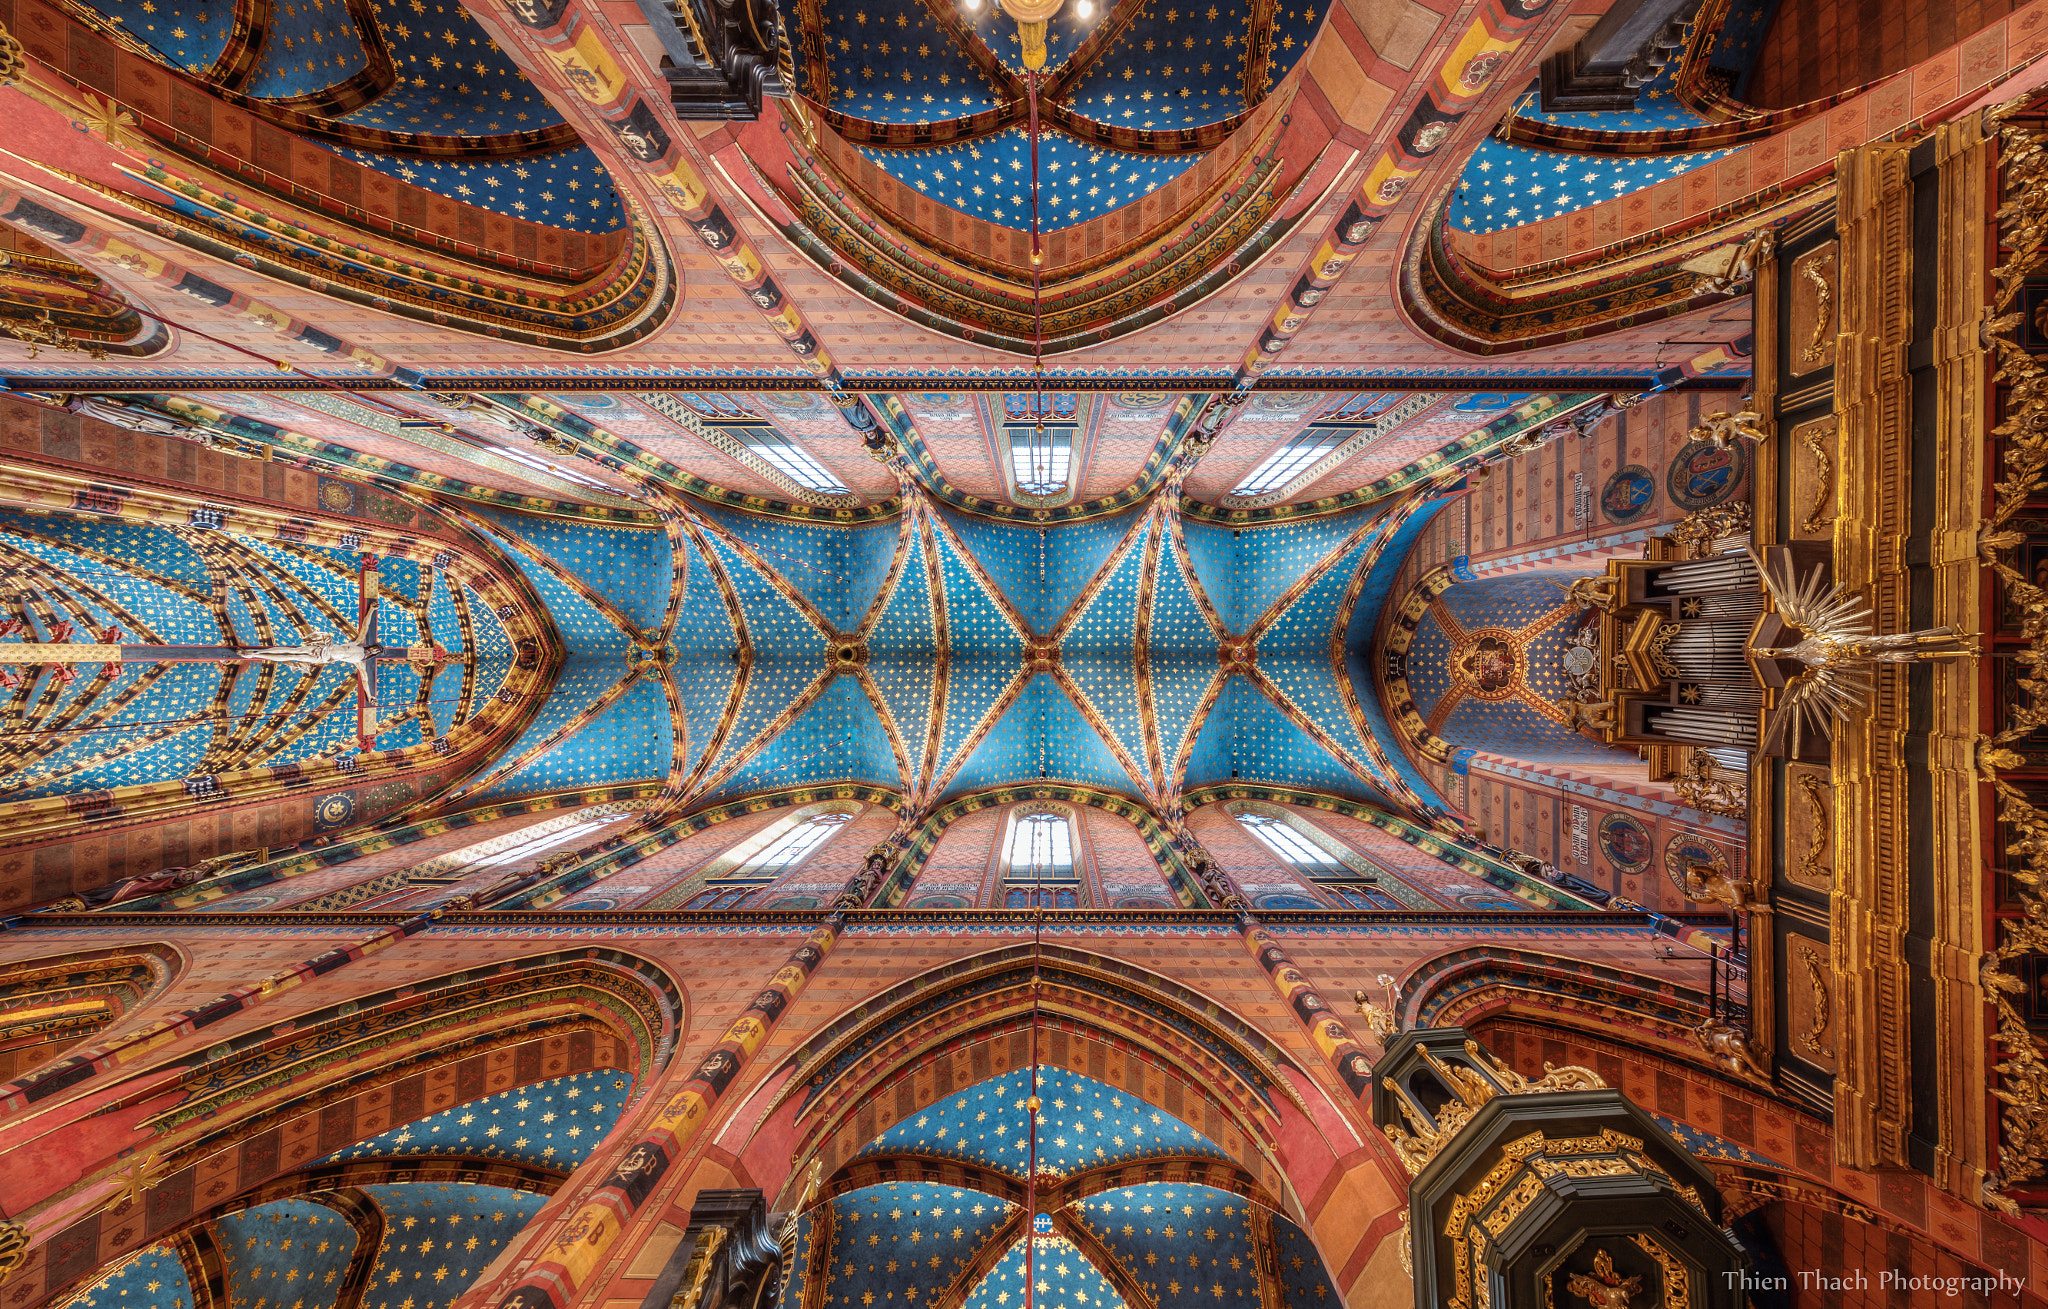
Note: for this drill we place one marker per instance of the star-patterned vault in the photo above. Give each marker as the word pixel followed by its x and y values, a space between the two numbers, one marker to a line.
pixel 1170 1244
pixel 1139 655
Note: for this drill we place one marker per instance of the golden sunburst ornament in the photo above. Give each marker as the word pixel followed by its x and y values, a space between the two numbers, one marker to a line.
pixel 108 119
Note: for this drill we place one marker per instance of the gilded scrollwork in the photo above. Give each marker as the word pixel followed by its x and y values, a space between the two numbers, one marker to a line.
pixel 1816 348
pixel 1817 982
pixel 1810 435
pixel 2022 1071
pixel 1813 868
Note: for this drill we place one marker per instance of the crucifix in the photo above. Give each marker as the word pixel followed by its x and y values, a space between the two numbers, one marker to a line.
pixel 357 649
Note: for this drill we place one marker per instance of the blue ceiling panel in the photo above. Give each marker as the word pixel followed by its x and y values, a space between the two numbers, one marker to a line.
pixel 453 79
pixel 552 1124
pixel 1109 683
pixel 1313 684
pixel 629 566
pixel 180 695
pixel 1084 1123
pixel 906 626
pixel 308 46
pixel 1179 1241
pixel 438 1238
pixel 1016 558
pixel 1110 622
pixel 816 559
pixel 1213 757
pixel 889 61
pixel 1178 624
pixel 627 742
pixel 1178 684
pixel 1065 1279
pixel 905 1242
pixel 1183 65
pixel 838 736
pixel 154 1279
pixel 1271 559
pixel 578 684
pixel 773 685
pixel 869 552
pixel 188 34
pixel 1304 1282
pixel 988 650
pixel 990 178
pixel 1271 748
pixel 569 189
pixel 284 1252
pixel 584 630
pixel 975 621
pixel 704 627
pixel 1360 644
pixel 1213 551
pixel 1074 554
pixel 1429 664
pixel 1309 624
pixel 1042 734
pixel 775 626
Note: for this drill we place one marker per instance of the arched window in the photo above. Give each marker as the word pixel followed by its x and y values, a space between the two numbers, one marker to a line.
pixel 1291 460
pixel 1038 862
pixel 780 853
pixel 1321 867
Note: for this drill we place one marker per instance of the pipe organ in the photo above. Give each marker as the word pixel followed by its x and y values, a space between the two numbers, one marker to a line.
pixel 1674 637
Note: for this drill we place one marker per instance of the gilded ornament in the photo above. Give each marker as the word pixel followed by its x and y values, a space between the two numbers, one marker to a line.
pixel 1816 349
pixel 1604 1289
pixel 1729 1046
pixel 1704 533
pixel 1676 1290
pixel 1838 647
pixel 1811 868
pixel 2022 1072
pixel 13 1238
pixel 1729 269
pixel 1708 787
pixel 1824 473
pixel 1816 979
pixel 1723 429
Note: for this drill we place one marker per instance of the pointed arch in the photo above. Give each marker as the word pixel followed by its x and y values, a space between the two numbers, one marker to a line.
pixel 195 1133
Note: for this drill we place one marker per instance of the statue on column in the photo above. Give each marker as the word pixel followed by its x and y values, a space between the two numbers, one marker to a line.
pixel 157 883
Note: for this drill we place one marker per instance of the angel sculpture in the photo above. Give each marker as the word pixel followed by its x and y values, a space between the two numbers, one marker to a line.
pixel 1604 1290
pixel 1727 269
pixel 1838 648
pixel 1722 429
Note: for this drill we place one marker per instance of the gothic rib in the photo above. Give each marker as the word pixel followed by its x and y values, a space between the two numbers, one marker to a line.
pixel 1100 726
pixel 541 559
pixel 942 666
pixel 1083 1238
pixel 1148 573
pixel 508 766
pixel 675 791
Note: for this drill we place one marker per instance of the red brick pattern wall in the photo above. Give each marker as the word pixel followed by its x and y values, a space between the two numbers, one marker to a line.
pixel 1120 868
pixel 960 866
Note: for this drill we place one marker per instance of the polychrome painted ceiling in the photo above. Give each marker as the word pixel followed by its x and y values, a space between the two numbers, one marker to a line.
pixel 937 654
pixel 1162 1242
pixel 596 617
pixel 356 1239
